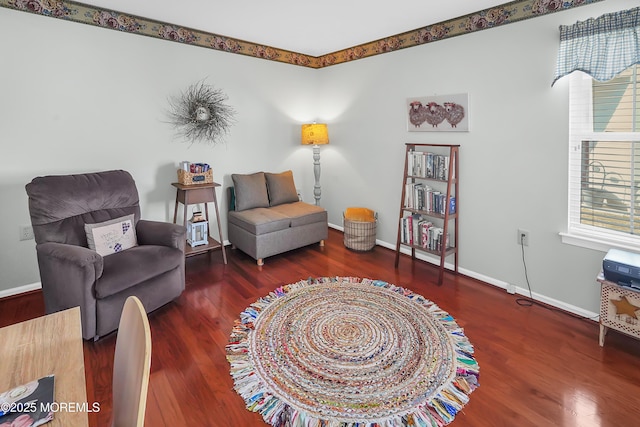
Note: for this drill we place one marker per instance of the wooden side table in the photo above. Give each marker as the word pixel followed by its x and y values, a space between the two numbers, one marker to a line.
pixel 194 194
pixel 619 309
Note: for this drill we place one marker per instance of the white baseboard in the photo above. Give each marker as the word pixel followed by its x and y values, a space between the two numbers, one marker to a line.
pixel 337 227
pixel 490 280
pixel 20 290
pixel 424 257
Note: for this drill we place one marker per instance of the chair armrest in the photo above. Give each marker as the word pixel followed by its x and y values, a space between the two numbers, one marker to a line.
pixel 78 256
pixel 68 274
pixel 161 234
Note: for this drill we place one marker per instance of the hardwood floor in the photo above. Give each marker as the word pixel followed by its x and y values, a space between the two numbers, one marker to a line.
pixel 538 367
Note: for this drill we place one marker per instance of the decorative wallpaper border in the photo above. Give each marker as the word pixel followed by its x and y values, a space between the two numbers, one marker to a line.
pixel 489 18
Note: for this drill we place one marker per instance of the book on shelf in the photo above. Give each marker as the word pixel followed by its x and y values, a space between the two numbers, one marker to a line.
pixel 427 165
pixel 419 231
pixel 421 197
pixel 452 205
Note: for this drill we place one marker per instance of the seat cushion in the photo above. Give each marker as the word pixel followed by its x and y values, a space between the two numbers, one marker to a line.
pixel 259 220
pixel 301 213
pixel 125 269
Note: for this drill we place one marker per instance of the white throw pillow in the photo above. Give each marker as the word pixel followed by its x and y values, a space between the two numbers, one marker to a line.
pixel 112 236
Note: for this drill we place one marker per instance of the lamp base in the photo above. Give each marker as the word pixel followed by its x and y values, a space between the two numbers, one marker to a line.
pixel 316 172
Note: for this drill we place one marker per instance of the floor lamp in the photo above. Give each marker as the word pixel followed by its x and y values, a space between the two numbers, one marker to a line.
pixel 315 134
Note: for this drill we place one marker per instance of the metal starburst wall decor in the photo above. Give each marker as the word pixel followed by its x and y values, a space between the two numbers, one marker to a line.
pixel 200 114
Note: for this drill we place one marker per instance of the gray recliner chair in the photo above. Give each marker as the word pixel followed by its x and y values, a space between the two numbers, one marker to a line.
pixel 74 275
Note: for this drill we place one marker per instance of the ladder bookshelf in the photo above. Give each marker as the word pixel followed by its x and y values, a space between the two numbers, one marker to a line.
pixel 428 219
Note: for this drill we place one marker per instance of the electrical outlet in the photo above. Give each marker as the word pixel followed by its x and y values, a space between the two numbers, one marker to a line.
pixel 511 288
pixel 299 194
pixel 26 232
pixel 523 237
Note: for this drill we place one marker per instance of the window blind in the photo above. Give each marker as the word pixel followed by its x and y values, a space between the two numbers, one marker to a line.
pixel 604 169
pixel 610 175
pixel 614 103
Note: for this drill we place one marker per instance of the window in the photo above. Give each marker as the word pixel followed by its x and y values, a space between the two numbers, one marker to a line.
pixel 604 161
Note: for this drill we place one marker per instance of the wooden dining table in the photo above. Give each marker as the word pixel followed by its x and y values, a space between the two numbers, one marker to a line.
pixel 49 345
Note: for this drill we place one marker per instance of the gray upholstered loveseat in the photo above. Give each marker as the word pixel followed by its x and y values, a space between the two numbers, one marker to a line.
pixel 67 214
pixel 268 219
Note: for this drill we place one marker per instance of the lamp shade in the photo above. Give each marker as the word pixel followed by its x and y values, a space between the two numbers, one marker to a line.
pixel 315 134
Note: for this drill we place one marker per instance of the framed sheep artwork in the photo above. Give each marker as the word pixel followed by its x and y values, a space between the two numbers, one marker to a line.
pixel 440 113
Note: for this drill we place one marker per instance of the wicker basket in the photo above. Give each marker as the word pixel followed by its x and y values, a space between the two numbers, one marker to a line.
pixel 188 178
pixel 360 235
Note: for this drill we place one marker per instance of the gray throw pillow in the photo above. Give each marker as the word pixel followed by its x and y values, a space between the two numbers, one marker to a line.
pixel 251 191
pixel 281 188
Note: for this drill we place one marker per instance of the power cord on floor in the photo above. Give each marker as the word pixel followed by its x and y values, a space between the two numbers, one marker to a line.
pixel 528 302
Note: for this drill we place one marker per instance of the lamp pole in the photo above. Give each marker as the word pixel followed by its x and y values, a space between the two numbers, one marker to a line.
pixel 316 172
pixel 315 134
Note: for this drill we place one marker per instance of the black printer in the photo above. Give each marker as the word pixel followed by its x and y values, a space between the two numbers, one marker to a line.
pixel 622 267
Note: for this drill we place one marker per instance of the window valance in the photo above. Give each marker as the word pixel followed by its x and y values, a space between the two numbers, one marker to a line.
pixel 601 47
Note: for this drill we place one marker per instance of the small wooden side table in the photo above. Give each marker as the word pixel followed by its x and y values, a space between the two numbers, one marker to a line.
pixel 194 194
pixel 619 309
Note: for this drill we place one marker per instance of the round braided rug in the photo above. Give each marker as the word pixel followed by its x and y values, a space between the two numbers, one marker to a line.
pixel 351 352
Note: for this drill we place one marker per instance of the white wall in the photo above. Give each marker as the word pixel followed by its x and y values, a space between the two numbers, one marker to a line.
pixel 76 98
pixel 513 162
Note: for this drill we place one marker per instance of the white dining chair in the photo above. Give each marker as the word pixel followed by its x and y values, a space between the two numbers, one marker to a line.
pixel 131 366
